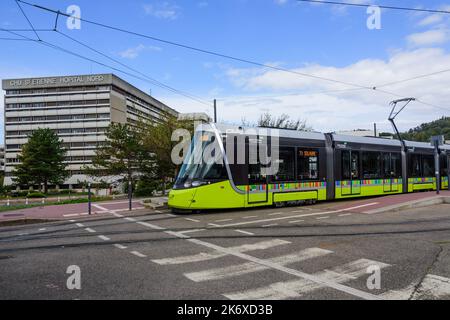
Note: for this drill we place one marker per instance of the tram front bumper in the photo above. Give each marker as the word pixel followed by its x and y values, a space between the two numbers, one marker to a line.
pixel 181 199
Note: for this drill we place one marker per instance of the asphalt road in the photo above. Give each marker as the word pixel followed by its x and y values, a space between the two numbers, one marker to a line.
pixel 289 253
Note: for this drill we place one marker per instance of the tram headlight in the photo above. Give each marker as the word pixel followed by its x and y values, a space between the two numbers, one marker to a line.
pixel 197 183
pixel 187 185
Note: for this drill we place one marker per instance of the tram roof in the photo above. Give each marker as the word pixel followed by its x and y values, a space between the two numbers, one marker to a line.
pixel 309 135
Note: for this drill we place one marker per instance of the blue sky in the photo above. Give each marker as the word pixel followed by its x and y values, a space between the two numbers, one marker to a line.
pixel 322 40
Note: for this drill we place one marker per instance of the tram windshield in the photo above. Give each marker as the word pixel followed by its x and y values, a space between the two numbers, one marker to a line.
pixel 203 163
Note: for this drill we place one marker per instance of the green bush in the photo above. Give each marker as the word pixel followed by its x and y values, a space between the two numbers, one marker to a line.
pixel 36 195
pixel 145 188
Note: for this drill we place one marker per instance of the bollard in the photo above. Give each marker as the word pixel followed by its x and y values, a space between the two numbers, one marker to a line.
pixel 43 200
pixel 26 201
pixel 89 198
pixel 59 199
pixel 7 203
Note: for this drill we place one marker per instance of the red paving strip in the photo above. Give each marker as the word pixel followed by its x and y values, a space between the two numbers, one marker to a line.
pixel 65 211
pixel 387 201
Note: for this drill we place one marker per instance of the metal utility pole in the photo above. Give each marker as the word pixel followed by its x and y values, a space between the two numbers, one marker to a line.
pixel 215 111
pixel 394 113
pixel 375 130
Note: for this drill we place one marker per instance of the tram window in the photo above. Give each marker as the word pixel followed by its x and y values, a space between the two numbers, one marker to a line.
pixel 396 165
pixel 415 167
pixel 307 164
pixel 371 165
pixel 255 170
pixel 350 165
pixel 444 165
pixel 286 165
pixel 346 165
pixel 428 166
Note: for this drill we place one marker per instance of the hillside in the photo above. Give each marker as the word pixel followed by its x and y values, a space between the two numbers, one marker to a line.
pixel 426 130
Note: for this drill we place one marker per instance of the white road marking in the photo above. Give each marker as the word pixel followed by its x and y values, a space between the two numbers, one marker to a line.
pixel 250 267
pixel 42 229
pixel 138 254
pixel 203 256
pixel 328 278
pixel 245 232
pixel 100 207
pixel 224 220
pixel 193 220
pixel 249 217
pixel 270 225
pixel 72 220
pixel 320 218
pixel 130 219
pixel 149 225
pixel 104 238
pixel 90 230
pixel 295 216
pixel 275 214
pixel 345 215
pixel 80 225
pixel 296 221
pixel 158 211
pixel 117 215
pixel 191 231
pixel 213 225
pixel 119 246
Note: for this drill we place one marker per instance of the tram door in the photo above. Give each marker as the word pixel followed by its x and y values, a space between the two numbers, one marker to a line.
pixel 351 184
pixel 258 182
pixel 391 161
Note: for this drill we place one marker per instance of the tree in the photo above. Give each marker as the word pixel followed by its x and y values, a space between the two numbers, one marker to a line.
pixel 157 142
pixel 41 160
pixel 121 155
pixel 266 120
pixel 425 131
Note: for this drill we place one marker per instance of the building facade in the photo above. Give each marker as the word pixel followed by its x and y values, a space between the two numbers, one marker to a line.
pixel 78 108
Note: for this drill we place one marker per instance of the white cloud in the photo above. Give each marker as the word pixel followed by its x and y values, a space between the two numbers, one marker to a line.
pixel 280 2
pixel 132 53
pixel 302 97
pixel 430 20
pixel 428 38
pixel 163 10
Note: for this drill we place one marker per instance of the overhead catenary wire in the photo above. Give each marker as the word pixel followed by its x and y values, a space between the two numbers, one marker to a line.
pixel 26 17
pixel 53 46
pixel 152 80
pixel 354 4
pixel 372 88
pixel 189 47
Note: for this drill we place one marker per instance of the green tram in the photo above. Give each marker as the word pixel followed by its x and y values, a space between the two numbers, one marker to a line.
pixel 311 167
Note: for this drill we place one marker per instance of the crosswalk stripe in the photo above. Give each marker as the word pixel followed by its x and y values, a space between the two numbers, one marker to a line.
pixel 250 267
pixel 297 288
pixel 203 256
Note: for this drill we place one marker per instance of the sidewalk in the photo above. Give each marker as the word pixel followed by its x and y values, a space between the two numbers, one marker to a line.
pixel 69 211
pixel 391 202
